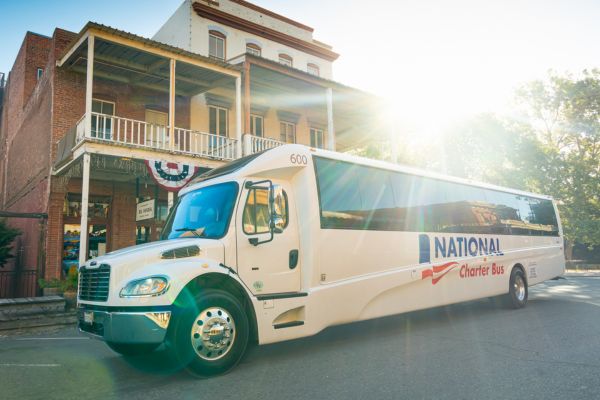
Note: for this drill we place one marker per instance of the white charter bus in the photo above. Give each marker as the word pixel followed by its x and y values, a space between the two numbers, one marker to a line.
pixel 284 243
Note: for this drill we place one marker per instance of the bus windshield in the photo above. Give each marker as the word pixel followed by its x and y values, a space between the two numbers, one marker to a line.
pixel 204 213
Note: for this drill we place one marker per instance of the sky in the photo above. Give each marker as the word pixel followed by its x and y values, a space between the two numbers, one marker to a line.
pixel 434 61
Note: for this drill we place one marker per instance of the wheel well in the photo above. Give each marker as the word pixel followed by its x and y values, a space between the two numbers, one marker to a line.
pixel 227 284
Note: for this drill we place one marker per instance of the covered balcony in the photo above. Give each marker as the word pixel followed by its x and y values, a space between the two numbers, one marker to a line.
pixel 133 96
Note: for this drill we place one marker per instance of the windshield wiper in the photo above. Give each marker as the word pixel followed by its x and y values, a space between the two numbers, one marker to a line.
pixel 194 231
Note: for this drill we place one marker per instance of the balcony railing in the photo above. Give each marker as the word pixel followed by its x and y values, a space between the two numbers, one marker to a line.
pixel 255 144
pixel 119 130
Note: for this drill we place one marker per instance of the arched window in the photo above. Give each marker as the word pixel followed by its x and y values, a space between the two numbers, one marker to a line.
pixel 286 60
pixel 312 69
pixel 253 49
pixel 216 45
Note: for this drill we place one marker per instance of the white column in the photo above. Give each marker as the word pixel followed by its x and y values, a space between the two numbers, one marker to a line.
pixel 85 191
pixel 238 116
pixel 172 105
pixel 170 200
pixel 330 127
pixel 89 87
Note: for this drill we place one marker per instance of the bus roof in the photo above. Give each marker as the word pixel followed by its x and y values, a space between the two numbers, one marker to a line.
pixel 279 157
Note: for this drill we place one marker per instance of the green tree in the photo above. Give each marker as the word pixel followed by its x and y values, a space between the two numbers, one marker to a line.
pixel 564 112
pixel 7 236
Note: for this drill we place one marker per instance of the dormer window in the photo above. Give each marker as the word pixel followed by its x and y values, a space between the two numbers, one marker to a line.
pixel 253 49
pixel 216 45
pixel 312 69
pixel 286 60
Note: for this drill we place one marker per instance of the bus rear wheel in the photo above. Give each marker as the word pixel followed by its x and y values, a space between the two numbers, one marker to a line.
pixel 210 337
pixel 517 289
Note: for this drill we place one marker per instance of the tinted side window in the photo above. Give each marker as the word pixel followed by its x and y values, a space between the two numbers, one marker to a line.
pixel 376 198
pixel 339 195
pixel 358 197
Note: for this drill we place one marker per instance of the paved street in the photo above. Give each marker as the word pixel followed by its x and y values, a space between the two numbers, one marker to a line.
pixel 477 350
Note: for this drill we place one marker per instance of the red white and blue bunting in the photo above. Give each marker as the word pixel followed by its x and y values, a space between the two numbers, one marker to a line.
pixel 169 175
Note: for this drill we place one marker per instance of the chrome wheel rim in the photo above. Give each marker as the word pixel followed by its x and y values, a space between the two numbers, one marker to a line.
pixel 213 333
pixel 519 288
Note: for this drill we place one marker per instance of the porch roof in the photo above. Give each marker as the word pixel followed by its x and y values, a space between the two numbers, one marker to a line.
pixel 132 59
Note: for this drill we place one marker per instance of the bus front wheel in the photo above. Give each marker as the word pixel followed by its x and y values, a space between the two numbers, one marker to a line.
pixel 210 336
pixel 517 291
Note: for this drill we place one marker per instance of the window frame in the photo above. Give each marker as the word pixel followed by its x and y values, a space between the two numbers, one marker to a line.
pixel 216 35
pixel 287 213
pixel 39 73
pixel 253 118
pixel 254 49
pixel 317 130
pixel 219 108
pixel 94 119
pixel 287 124
pixel 316 71
pixel 288 60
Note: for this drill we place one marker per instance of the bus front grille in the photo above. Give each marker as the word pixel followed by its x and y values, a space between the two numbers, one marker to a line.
pixel 94 283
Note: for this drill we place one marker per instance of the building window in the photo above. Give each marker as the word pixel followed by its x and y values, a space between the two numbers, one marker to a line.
pixel 102 113
pixel 253 49
pixel 217 125
pixel 216 45
pixel 257 125
pixel 287 132
pixel 39 73
pixel 286 60
pixel 312 69
pixel 316 138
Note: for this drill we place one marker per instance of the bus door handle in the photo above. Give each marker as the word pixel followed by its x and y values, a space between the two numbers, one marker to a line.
pixel 293 258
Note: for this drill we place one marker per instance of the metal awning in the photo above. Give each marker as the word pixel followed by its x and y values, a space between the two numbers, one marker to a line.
pixel 140 68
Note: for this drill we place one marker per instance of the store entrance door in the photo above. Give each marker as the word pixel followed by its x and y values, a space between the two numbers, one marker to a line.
pixel 96 244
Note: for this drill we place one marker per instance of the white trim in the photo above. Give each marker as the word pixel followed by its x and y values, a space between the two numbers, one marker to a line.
pixel 254 42
pixel 73 49
pixel 238 116
pixel 114 104
pixel 218 29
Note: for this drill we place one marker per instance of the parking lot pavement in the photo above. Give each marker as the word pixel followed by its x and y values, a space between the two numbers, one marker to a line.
pixel 476 350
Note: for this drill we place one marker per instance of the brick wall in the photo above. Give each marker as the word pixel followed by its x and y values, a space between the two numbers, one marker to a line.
pixel 36 116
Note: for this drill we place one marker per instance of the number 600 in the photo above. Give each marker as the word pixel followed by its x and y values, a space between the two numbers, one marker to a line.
pixel 299 159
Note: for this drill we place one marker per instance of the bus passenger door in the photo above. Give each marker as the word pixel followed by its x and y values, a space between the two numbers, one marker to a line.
pixel 268 266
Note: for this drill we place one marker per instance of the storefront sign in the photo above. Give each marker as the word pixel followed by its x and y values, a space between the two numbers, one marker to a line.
pixel 169 175
pixel 144 210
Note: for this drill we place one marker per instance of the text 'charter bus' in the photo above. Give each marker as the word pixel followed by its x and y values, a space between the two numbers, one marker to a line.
pixel 284 243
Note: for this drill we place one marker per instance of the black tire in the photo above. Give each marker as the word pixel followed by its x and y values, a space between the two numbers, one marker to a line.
pixel 128 349
pixel 187 347
pixel 518 291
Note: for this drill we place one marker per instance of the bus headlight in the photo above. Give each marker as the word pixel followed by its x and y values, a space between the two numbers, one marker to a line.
pixel 150 286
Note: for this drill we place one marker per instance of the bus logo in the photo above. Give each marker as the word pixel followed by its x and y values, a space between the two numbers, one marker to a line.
pixel 461 246
pixel 437 272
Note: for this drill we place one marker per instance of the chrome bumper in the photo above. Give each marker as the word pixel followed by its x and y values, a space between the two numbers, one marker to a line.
pixel 124 327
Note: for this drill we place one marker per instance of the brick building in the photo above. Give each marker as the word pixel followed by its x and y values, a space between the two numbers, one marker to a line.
pixel 84 115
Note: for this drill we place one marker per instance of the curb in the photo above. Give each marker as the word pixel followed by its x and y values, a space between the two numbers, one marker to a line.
pixel 39 321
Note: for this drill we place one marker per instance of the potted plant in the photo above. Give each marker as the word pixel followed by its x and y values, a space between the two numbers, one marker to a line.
pixel 67 287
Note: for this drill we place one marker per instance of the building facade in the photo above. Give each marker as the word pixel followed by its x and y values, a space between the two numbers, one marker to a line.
pixel 99 127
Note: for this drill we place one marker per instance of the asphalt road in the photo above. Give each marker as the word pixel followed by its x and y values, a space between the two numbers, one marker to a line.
pixel 476 350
